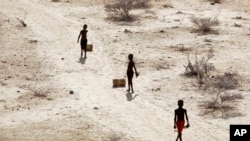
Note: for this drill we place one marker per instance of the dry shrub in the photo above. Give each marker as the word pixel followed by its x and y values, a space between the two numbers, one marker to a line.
pixel 204 25
pixel 200 68
pixel 120 10
pixel 221 103
pixel 230 97
pixel 226 81
pixel 141 3
pixel 221 99
pixel 38 91
pixel 55 0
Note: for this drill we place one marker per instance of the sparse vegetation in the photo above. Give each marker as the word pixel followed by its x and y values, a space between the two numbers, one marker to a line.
pixel 215 86
pixel 141 3
pixel 204 25
pixel 37 91
pixel 120 10
pixel 221 101
pixel 200 68
pixel 226 81
pixel 230 97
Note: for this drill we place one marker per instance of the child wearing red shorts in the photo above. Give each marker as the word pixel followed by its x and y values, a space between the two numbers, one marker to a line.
pixel 179 120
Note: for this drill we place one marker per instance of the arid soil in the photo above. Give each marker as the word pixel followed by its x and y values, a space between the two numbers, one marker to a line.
pixel 40 65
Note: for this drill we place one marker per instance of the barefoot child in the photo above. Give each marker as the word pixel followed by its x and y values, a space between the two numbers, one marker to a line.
pixel 84 41
pixel 179 120
pixel 130 72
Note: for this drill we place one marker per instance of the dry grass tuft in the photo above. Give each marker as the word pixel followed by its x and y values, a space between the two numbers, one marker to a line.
pixel 204 25
pixel 38 91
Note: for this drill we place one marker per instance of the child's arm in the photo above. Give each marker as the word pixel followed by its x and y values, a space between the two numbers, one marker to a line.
pixel 136 73
pixel 187 118
pixel 79 37
pixel 174 119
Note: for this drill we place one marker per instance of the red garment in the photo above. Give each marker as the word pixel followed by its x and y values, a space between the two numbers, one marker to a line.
pixel 180 125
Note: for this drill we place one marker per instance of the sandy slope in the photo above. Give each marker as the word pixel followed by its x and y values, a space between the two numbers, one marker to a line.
pixel 147 115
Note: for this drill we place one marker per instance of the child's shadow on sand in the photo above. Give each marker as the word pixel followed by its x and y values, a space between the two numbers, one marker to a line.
pixel 82 60
pixel 130 97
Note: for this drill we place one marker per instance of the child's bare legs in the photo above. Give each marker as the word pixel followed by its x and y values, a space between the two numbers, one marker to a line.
pixel 179 137
pixel 81 52
pixel 85 52
pixel 130 85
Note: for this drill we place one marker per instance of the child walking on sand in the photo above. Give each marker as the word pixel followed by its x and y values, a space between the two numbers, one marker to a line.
pixel 130 72
pixel 179 120
pixel 84 41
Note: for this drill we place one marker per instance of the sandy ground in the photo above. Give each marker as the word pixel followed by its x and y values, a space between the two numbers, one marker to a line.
pixel 44 56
